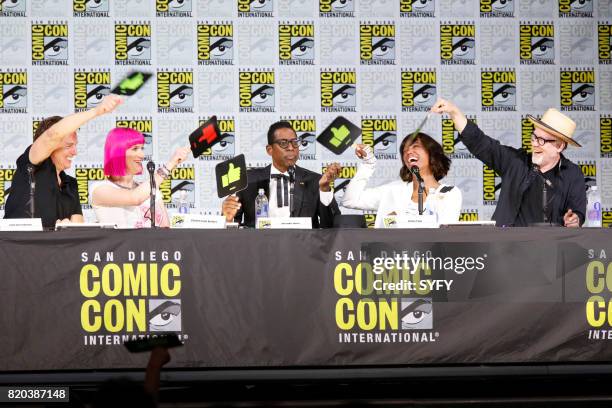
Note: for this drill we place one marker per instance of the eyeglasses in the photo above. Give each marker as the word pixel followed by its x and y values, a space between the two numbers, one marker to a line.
pixel 540 141
pixel 284 143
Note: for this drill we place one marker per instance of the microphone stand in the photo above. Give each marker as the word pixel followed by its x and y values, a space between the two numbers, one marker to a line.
pixel 546 184
pixel 32 188
pixel 291 171
pixel 151 169
pixel 415 170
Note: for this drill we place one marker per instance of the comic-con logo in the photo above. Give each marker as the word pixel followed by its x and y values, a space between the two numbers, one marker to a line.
pixel 575 8
pixel 418 90
pixel 50 44
pixel 498 90
pixel 340 184
pixel 589 170
pixel 606 218
pixel 296 44
pixel 14 91
pixel 255 8
pixel 144 126
pixel 605 136
pixel 13 8
pixel 6 179
pixel 86 176
pixel 173 8
pixel 336 8
pixel 527 129
pixel 468 215
pixel 537 44
pixel 120 304
pixel 90 8
pixel 377 44
pixel 338 91
pixel 496 8
pixel 179 187
pixel 225 148
pixel 370 220
pixel 90 87
pixel 35 123
pixel 604 41
pixel 381 135
pixel 306 131
pixel 133 44
pixel 174 91
pixel 256 90
pixel 458 44
pixel 577 90
pixel 215 44
pixel 417 8
pixel 451 140
pixel 491 184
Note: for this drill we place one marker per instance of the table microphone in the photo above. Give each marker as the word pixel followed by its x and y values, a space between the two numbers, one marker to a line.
pixel 151 169
pixel 415 170
pixel 291 171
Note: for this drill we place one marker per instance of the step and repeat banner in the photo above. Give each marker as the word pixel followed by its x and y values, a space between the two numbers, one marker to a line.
pixel 380 63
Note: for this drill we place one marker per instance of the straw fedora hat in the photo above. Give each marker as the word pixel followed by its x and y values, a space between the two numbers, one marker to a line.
pixel 557 124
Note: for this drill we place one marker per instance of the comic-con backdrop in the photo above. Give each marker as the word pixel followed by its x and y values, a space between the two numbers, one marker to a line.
pixel 380 63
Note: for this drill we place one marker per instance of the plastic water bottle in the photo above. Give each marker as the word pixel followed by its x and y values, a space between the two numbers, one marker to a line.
pixel 261 204
pixel 593 208
pixel 183 205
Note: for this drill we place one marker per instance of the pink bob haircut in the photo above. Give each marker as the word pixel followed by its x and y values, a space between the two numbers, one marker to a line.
pixel 118 141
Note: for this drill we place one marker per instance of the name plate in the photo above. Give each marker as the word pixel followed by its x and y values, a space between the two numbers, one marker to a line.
pixel 402 221
pixel 21 224
pixel 284 223
pixel 197 221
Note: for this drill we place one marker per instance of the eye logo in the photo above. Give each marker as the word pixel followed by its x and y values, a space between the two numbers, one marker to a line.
pixel 336 8
pixel 451 144
pixel 498 90
pixel 458 44
pixel 13 8
pixel 256 91
pixel 306 130
pixel 377 44
pixel 577 90
pixel 164 315
pixel 50 44
pixel 175 91
pixel 296 44
pixel 90 87
pixel 180 186
pixel 255 8
pixel 173 8
pixel 604 40
pixel 416 314
pixel 225 148
pixel 215 44
pixel 381 135
pixel 90 8
pixel 417 8
pixel 144 126
pixel 13 91
pixel 575 8
pixel 338 91
pixel 419 91
pixel 496 8
pixel 537 44
pixel 133 44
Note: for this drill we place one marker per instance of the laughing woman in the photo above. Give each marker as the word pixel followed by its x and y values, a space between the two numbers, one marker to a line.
pixel 401 196
pixel 120 199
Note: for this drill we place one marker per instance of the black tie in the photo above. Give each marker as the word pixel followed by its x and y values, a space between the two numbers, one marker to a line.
pixel 281 193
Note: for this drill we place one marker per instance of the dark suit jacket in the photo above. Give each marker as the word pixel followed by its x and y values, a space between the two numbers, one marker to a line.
pixel 306 202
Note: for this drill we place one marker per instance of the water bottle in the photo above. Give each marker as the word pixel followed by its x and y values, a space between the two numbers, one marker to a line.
pixel 261 204
pixel 593 208
pixel 183 204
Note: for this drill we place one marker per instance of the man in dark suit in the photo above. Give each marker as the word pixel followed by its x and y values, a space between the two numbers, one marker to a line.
pixel 312 194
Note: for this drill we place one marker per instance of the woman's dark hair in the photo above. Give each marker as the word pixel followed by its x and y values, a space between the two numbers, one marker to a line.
pixel 45 124
pixel 438 162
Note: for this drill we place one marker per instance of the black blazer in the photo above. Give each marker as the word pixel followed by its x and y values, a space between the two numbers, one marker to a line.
pixel 306 198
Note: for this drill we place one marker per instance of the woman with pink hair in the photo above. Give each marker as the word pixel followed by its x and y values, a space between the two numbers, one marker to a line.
pixel 120 199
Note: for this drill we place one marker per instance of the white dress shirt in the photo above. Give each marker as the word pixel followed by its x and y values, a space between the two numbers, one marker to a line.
pixel 274 210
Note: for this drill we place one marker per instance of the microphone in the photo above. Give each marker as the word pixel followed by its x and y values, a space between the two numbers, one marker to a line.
pixel 32 188
pixel 151 169
pixel 415 170
pixel 537 171
pixel 547 183
pixel 291 171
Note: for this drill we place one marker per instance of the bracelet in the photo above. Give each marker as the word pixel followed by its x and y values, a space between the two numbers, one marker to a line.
pixel 162 173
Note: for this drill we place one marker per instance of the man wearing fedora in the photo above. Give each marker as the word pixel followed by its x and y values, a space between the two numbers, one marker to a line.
pixel 543 186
